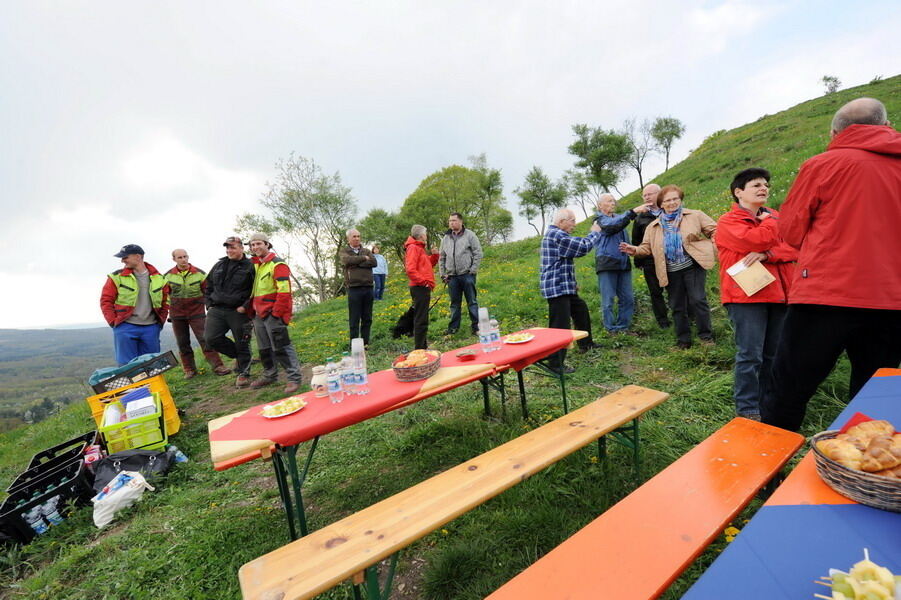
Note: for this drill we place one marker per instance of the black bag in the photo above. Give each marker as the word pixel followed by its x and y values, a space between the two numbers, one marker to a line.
pixel 150 463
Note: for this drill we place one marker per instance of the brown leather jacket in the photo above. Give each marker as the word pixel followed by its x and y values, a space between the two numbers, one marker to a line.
pixel 357 267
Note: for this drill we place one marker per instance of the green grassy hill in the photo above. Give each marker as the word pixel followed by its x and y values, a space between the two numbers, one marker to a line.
pixel 187 539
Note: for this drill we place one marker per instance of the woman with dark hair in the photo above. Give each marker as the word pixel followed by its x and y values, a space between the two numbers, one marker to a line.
pixel 747 234
pixel 680 243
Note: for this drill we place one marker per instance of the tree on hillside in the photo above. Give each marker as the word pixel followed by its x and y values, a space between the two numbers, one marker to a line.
pixel 665 131
pixel 603 155
pixel 581 189
pixel 315 210
pixel 385 229
pixel 642 145
pixel 540 197
pixel 458 189
pixel 496 220
pixel 831 83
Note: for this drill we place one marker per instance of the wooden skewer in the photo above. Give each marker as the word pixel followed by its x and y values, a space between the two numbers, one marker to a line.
pixel 822 597
pixel 823 583
pixel 826 577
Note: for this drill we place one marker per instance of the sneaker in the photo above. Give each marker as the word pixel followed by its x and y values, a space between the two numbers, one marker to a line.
pixel 242 381
pixel 222 370
pixel 567 370
pixel 752 416
pixel 450 332
pixel 261 382
pixel 190 374
pixel 291 388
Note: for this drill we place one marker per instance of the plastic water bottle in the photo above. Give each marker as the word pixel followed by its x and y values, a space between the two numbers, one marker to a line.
pixel 485 330
pixel 177 454
pixel 495 331
pixel 348 378
pixel 361 374
pixel 333 381
pixel 35 519
pixel 50 510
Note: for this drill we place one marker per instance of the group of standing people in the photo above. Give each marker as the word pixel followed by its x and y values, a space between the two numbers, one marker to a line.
pixel 831 258
pixel 240 295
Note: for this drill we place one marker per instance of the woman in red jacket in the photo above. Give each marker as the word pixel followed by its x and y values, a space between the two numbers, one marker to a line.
pixel 420 270
pixel 747 234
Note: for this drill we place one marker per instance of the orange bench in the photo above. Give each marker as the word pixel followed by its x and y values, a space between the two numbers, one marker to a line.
pixel 638 547
pixel 350 547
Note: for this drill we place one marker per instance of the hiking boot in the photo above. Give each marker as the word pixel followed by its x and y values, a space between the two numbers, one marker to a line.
pixel 261 382
pixel 190 374
pixel 291 388
pixel 566 370
pixel 450 332
pixel 243 381
pixel 683 345
pixel 222 370
pixel 589 347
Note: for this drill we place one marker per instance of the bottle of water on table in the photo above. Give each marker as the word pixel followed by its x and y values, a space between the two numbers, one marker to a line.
pixel 485 330
pixel 495 331
pixel 348 378
pixel 358 357
pixel 333 381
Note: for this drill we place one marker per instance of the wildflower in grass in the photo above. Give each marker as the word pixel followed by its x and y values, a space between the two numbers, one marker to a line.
pixel 444 532
pixel 731 531
pixel 594 459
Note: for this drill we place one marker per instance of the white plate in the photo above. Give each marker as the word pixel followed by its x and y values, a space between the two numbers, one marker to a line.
pixel 528 339
pixel 281 415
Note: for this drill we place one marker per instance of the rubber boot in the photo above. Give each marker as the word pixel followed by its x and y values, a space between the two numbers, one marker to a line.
pixel 188 364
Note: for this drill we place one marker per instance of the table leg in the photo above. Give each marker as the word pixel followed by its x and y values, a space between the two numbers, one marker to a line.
pixel 289 480
pixel 497 382
pixel 627 435
pixel 371 582
pixel 547 371
pixel 522 395
pixel 484 383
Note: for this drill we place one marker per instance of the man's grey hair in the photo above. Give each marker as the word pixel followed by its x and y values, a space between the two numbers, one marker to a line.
pixel 862 111
pixel 602 196
pixel 562 214
pixel 417 231
pixel 350 231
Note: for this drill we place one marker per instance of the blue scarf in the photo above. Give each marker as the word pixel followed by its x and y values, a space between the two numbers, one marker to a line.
pixel 672 241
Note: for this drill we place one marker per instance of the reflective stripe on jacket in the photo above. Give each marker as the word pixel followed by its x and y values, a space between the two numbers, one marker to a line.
pixel 120 294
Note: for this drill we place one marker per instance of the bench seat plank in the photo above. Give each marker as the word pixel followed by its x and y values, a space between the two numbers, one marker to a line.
pixel 637 548
pixel 321 560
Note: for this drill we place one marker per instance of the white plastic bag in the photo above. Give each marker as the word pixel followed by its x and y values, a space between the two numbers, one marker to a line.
pixel 125 489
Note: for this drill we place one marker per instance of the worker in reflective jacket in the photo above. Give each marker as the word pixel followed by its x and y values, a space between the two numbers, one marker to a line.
pixel 272 307
pixel 135 303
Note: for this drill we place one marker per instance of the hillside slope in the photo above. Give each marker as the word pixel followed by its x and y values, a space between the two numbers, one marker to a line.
pixel 187 539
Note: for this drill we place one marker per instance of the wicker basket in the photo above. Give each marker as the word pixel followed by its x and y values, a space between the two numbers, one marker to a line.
pixel 417 373
pixel 866 488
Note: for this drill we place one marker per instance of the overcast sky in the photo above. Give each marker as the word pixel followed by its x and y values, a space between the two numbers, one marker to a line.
pixel 158 122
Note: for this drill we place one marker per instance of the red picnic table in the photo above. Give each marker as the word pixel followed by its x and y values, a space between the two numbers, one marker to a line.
pixel 247 435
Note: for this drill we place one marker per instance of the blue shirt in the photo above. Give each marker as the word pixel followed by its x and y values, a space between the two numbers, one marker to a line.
pixel 613 231
pixel 381 265
pixel 557 276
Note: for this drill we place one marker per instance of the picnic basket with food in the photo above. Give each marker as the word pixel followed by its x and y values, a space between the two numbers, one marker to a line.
pixel 862 463
pixel 416 365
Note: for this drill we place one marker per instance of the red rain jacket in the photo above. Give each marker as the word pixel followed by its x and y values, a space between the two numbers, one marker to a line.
pixel 737 234
pixel 420 266
pixel 844 215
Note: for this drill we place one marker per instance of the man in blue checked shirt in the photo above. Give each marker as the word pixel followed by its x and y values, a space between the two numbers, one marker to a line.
pixel 557 280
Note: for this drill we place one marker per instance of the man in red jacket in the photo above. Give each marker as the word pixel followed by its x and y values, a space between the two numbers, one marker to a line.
pixel 843 214
pixel 420 270
pixel 135 303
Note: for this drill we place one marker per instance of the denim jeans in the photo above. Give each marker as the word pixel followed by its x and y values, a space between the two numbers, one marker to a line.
pixel 378 281
pixel 758 331
pixel 457 287
pixel 131 341
pixel 619 284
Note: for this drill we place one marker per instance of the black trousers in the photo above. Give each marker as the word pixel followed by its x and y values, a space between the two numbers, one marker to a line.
pixel 421 296
pixel 658 302
pixel 565 312
pixel 359 312
pixel 687 295
pixel 813 338
pixel 219 321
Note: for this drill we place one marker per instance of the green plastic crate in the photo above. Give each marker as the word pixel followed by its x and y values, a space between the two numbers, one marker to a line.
pixel 142 433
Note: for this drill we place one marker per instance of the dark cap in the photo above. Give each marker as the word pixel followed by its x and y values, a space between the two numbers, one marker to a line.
pixel 129 249
pixel 233 240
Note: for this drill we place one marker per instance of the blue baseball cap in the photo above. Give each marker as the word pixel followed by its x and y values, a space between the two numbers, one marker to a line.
pixel 129 249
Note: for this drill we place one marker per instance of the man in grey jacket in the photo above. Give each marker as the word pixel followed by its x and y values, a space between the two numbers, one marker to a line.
pixel 458 263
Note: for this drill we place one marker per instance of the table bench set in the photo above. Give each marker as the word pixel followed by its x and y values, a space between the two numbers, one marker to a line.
pixel 634 550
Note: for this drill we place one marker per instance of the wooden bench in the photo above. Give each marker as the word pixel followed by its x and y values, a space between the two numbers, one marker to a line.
pixel 642 544
pixel 347 548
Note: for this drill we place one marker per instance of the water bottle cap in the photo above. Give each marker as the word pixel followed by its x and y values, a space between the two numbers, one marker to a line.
pixel 345 354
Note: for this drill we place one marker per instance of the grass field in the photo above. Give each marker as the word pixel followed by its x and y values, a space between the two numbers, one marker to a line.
pixel 187 539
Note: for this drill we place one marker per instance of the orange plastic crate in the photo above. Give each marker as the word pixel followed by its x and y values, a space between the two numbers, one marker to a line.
pixel 157 385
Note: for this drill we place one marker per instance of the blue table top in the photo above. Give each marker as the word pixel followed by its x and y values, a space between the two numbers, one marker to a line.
pixel 784 549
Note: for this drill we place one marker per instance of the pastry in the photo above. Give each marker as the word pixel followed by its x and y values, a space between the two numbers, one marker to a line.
pixel 841 451
pixel 883 452
pixel 870 429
